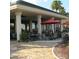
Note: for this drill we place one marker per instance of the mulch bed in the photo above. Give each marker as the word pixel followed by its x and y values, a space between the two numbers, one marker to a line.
pixel 62 51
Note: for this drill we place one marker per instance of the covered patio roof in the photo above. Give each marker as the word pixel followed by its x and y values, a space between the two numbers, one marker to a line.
pixel 33 10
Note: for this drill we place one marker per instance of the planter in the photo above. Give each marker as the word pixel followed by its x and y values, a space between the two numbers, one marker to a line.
pixel 61 52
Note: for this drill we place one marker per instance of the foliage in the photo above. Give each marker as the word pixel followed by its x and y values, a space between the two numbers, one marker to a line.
pixel 67 14
pixel 62 10
pixel 23 36
pixel 65 36
pixel 56 4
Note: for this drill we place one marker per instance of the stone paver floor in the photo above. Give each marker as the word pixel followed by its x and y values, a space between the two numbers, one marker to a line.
pixel 61 52
pixel 31 50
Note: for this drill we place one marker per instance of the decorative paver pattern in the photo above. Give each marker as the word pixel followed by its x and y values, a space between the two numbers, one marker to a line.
pixel 32 50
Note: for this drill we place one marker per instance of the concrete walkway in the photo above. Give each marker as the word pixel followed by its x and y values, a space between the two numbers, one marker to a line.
pixel 53 41
pixel 32 50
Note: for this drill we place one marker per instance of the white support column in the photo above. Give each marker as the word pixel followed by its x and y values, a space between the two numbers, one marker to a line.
pixel 62 25
pixel 30 25
pixel 39 24
pixel 18 24
pixel 53 27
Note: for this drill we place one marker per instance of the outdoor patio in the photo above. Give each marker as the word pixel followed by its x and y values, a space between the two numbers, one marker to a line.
pixel 32 50
pixel 35 30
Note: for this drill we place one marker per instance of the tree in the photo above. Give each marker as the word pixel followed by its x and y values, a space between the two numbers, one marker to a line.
pixel 67 14
pixel 62 10
pixel 56 4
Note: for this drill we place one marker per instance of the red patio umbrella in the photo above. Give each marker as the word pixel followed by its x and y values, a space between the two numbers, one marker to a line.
pixel 51 21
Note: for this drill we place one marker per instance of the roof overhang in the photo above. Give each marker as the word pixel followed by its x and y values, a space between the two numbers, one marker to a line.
pixel 34 10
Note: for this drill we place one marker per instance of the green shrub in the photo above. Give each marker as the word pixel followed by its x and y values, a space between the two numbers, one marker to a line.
pixel 23 36
pixel 66 36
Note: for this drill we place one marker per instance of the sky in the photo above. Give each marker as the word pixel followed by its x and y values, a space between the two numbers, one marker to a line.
pixel 47 3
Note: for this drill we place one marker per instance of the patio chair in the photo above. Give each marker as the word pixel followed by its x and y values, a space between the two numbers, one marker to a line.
pixel 33 36
pixel 49 35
